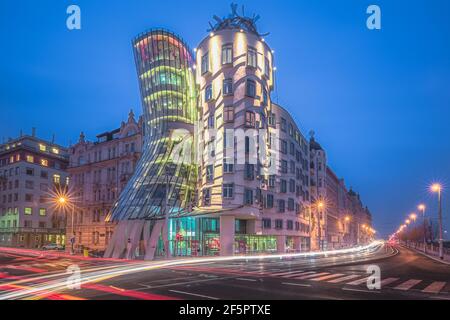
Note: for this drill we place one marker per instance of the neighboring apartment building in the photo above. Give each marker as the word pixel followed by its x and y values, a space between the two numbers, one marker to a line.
pixel 317 187
pixel 99 171
pixel 31 171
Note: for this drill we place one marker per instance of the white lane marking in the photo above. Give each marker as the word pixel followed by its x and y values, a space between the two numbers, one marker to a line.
pixel 194 294
pixel 350 277
pixel 279 274
pixel 312 275
pixel 331 276
pixel 387 281
pixel 295 274
pixel 359 290
pixel 244 279
pixel 358 282
pixel 435 287
pixel 407 285
pixel 296 284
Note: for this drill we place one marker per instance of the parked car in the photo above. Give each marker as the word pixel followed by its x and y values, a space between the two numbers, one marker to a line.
pixel 53 246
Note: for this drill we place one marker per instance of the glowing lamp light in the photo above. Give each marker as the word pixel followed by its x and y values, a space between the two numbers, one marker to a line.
pixel 407 221
pixel 436 187
pixel 212 34
pixel 413 216
pixel 421 207
pixel 62 200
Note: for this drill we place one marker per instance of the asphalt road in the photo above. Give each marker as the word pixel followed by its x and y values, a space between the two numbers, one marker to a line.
pixel 404 273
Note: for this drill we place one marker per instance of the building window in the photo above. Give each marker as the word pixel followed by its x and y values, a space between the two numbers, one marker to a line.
pixel 283 145
pixel 211 122
pixel 227 87
pixel 44 174
pixel 42 147
pixel 56 178
pixel 208 93
pixel 265 97
pixel 228 166
pixel 44 162
pixel 42 212
pixel 291 204
pixel 227 54
pixel 249 171
pixel 272 120
pixel 29 197
pixel 269 201
pixel 252 58
pixel 207 197
pixel 205 63
pixel 290 225
pixel 248 197
pixel 281 206
pixel 210 174
pixel 267 68
pixel 250 90
pixel 228 114
pixel 55 150
pixel 30 159
pixel 291 185
pixel 228 190
pixel 29 184
pixel 250 119
pixel 278 224
pixel 272 181
pixel 284 166
pixel 28 211
pixel 283 124
pixel 266 223
pixel 283 186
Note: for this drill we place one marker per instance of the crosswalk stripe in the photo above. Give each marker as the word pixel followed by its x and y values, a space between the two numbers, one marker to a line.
pixel 358 282
pixel 408 284
pixel 346 278
pixel 312 276
pixel 331 276
pixel 279 274
pixel 435 287
pixel 387 281
pixel 295 274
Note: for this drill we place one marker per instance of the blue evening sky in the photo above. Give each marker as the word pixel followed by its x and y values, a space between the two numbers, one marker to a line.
pixel 379 101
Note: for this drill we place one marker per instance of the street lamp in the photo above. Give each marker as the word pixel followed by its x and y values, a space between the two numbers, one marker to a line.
pixel 437 188
pixel 422 208
pixel 413 216
pixel 63 201
pixel 320 207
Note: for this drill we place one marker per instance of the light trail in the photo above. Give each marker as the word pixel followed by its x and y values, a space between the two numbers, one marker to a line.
pixel 101 275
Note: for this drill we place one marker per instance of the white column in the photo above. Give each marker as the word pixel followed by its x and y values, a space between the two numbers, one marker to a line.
pixel 227 231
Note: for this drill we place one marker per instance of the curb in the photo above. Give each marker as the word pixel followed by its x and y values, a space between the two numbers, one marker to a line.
pixel 428 256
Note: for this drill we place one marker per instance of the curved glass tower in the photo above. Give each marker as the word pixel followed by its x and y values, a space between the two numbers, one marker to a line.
pixel 164 180
pixel 165 176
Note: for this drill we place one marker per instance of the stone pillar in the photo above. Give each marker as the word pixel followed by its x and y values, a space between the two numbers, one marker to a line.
pixel 227 230
pixel 298 244
pixel 281 244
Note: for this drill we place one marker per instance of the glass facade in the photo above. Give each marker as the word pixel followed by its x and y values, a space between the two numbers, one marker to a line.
pixel 165 176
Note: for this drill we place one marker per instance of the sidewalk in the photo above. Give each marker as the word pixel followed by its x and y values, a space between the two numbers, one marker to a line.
pixel 431 252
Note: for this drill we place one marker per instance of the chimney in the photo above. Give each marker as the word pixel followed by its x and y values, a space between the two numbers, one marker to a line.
pixel 21 133
pixel 33 132
pixel 53 138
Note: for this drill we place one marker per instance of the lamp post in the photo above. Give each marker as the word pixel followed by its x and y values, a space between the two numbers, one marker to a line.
pixel 320 206
pixel 422 208
pixel 437 188
pixel 64 202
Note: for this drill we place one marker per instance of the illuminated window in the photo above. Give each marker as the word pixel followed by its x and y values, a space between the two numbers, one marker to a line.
pixel 55 150
pixel 228 191
pixel 42 212
pixel 250 119
pixel 205 63
pixel 252 58
pixel 227 54
pixel 42 147
pixel 56 178
pixel 44 162
pixel 11 159
pixel 17 157
pixel 28 211
pixel 30 159
pixel 67 181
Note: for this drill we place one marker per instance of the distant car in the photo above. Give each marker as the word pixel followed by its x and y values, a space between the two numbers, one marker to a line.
pixel 53 246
